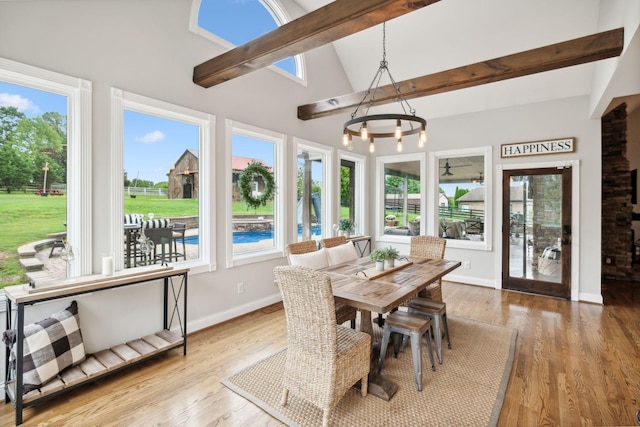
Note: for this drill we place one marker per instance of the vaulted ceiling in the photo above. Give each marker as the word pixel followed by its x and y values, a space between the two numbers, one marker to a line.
pixel 450 56
pixel 454 33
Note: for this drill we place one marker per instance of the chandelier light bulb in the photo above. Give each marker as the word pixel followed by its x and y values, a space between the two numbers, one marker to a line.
pixel 398 129
pixel 423 138
pixel 346 138
pixel 399 145
pixel 372 148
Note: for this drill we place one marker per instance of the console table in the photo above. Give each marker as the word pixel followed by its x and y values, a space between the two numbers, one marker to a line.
pixel 104 362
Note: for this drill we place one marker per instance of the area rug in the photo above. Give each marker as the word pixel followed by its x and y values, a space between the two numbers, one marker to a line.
pixel 467 389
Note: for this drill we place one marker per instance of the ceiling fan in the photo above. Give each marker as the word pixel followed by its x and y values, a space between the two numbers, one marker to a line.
pixel 447 168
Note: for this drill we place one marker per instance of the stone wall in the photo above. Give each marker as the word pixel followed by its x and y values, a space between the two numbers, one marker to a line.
pixel 616 197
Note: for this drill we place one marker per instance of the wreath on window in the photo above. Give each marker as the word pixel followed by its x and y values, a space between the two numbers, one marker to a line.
pixel 247 177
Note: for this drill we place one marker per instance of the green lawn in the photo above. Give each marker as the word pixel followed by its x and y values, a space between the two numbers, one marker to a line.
pixel 25 217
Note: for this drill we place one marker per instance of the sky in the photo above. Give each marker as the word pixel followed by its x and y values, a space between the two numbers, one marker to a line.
pixel 152 144
pixel 239 21
pixel 31 102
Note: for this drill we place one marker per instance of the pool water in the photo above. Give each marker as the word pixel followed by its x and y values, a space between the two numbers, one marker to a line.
pixel 253 236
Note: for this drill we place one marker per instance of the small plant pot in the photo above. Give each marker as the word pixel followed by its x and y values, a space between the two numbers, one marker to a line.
pixel 389 263
pixel 380 265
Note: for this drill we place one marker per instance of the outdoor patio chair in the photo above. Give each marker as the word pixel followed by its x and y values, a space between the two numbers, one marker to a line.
pixel 324 360
pixel 159 231
pixel 179 228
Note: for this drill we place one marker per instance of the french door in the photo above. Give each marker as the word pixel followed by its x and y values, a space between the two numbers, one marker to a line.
pixel 536 233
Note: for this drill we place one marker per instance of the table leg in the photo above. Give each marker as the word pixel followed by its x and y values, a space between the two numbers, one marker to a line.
pixel 379 385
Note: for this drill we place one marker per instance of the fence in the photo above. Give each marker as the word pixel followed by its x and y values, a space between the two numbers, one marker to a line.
pixel 145 191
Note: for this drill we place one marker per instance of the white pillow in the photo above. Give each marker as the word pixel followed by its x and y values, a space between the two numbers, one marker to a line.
pixel 342 253
pixel 316 260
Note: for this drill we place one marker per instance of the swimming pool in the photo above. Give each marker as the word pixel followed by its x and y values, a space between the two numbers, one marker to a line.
pixel 253 236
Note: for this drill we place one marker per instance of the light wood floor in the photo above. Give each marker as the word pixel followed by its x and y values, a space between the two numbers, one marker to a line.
pixel 576 364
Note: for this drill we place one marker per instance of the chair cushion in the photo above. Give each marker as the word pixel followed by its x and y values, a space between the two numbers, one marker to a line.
pixel 50 346
pixel 157 223
pixel 342 253
pixel 316 259
pixel 133 218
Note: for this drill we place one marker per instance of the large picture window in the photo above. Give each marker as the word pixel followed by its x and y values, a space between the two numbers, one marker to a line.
pixel 232 23
pixel 463 197
pixel 400 180
pixel 163 178
pixel 45 145
pixel 312 184
pixel 352 201
pixel 255 224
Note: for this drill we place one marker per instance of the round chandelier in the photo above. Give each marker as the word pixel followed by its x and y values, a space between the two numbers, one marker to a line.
pixel 366 126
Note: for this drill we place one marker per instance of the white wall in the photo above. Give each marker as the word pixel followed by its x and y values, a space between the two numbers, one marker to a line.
pixel 534 122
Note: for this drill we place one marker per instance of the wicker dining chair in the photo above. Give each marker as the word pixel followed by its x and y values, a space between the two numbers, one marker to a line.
pixel 344 313
pixel 331 242
pixel 324 360
pixel 429 247
pixel 429 302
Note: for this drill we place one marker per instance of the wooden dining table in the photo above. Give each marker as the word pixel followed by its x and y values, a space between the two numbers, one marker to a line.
pixel 356 283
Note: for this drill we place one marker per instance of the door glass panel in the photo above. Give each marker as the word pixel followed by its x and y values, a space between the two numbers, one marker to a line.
pixel 535 222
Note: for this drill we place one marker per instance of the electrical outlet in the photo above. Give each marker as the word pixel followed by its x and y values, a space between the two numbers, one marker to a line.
pixel 240 287
pixel 466 264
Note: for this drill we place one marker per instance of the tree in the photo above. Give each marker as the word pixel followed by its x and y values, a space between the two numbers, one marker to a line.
pixel 345 175
pixel 9 119
pixel 27 145
pixel 15 169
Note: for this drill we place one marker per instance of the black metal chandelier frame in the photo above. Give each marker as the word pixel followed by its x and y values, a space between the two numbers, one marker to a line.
pixel 406 124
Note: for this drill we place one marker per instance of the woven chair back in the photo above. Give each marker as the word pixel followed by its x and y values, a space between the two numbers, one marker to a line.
pixel 298 248
pixel 427 246
pixel 310 311
pixel 330 242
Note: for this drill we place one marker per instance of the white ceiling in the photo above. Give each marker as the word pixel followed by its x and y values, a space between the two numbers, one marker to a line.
pixel 453 33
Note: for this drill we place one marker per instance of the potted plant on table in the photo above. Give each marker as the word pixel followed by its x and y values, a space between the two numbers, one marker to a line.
pixel 347 227
pixel 379 256
pixel 391 255
pixel 391 220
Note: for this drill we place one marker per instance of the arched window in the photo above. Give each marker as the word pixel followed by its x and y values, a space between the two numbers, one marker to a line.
pixel 234 23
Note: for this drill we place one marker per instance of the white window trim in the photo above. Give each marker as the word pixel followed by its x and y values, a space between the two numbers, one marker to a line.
pixel 380 196
pixel 280 17
pixel 122 100
pixel 361 197
pixel 79 196
pixel 279 213
pixel 328 186
pixel 432 202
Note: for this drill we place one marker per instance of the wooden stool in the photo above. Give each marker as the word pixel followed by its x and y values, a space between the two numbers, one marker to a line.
pixel 413 325
pixel 437 311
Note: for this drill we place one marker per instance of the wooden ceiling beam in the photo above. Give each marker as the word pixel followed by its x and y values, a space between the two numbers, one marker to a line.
pixel 573 52
pixel 321 26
